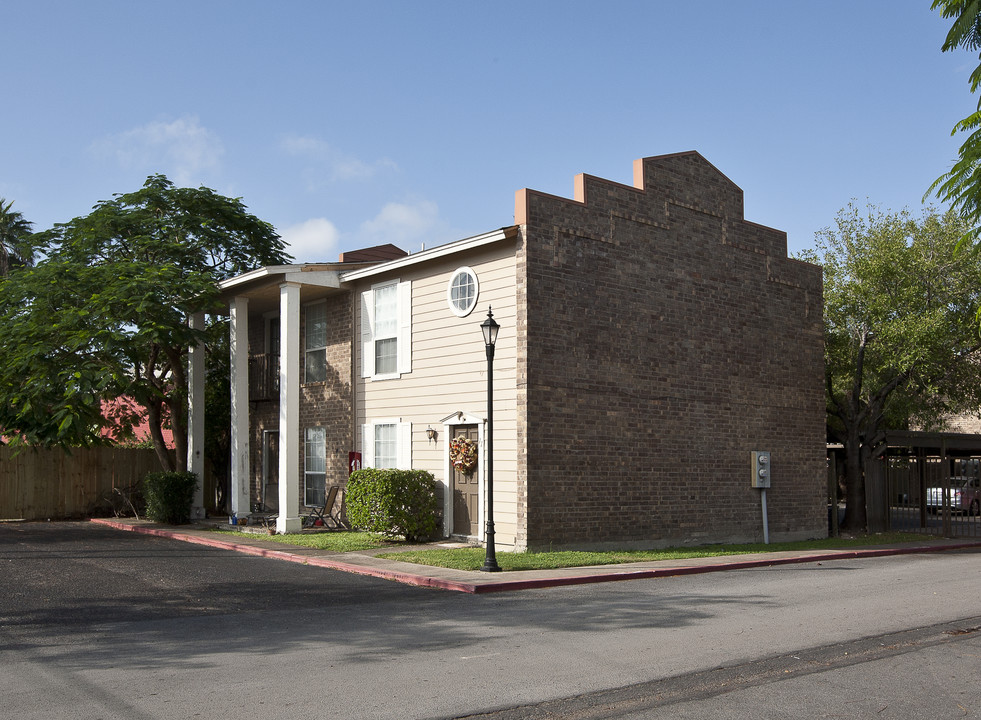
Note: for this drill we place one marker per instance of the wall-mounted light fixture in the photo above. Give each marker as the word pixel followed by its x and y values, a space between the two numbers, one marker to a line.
pixel 431 434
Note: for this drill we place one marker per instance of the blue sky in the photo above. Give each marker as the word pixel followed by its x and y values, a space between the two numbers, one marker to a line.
pixel 347 124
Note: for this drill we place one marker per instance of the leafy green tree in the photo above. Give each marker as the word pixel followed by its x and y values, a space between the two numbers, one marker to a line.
pixel 961 185
pixel 902 347
pixel 15 250
pixel 105 313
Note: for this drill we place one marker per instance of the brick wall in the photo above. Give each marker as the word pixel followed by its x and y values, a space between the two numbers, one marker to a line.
pixel 328 404
pixel 324 404
pixel 667 338
pixel 967 422
pixel 521 393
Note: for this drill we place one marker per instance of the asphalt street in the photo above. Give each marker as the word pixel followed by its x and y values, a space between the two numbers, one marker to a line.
pixel 97 623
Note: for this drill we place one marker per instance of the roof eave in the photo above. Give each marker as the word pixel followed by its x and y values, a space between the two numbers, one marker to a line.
pixel 452 248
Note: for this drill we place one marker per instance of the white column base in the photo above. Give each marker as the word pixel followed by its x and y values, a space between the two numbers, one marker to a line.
pixel 288 525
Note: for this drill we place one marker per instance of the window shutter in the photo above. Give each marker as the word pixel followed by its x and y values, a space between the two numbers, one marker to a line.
pixel 367 347
pixel 404 434
pixel 405 327
pixel 367 446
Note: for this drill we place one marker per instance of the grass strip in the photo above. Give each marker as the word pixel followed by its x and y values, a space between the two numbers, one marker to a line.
pixel 472 558
pixel 336 541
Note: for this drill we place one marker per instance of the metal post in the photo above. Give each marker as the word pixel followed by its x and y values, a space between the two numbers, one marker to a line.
pixel 946 486
pixel 490 559
pixel 766 525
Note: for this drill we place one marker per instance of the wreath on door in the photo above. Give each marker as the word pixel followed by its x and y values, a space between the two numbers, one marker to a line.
pixel 463 454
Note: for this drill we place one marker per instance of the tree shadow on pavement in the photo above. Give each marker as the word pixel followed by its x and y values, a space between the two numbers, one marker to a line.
pixel 140 601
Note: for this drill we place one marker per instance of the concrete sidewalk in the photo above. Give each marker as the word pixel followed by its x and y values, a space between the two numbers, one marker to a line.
pixel 366 563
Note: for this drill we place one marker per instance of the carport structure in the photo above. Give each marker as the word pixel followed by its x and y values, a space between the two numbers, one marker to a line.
pixel 904 470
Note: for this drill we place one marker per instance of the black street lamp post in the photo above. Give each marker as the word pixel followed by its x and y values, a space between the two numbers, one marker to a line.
pixel 490 329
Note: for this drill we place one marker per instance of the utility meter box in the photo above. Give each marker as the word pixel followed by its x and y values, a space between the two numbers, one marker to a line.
pixel 761 469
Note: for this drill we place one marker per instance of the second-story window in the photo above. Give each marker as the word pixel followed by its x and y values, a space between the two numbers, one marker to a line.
pixel 315 362
pixel 386 330
pixel 272 336
pixel 386 325
pixel 461 292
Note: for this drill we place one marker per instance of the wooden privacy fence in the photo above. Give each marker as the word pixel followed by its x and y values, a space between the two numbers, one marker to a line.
pixel 51 484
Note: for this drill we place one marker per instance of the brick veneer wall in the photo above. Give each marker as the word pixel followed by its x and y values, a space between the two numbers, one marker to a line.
pixel 324 404
pixel 328 404
pixel 967 422
pixel 666 339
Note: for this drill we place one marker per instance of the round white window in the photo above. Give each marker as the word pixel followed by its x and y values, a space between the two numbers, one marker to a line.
pixel 461 293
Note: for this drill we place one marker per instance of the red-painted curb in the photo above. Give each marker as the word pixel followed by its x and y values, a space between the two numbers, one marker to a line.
pixel 617 576
pixel 402 577
pixel 529 584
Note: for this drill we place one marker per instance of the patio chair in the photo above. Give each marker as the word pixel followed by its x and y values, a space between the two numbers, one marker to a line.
pixel 326 515
pixel 263 515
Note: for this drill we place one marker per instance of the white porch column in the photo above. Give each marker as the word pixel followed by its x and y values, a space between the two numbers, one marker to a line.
pixel 289 409
pixel 239 349
pixel 195 417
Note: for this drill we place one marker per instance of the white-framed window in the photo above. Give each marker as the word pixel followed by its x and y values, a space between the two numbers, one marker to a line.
pixel 386 330
pixel 315 360
pixel 314 466
pixel 461 291
pixel 387 444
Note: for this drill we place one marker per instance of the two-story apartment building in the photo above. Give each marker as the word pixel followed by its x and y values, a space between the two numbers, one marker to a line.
pixel 651 339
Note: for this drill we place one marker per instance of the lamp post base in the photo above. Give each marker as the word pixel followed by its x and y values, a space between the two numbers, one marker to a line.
pixel 490 559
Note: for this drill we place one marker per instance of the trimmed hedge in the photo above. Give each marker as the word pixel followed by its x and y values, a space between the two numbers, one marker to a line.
pixel 169 496
pixel 393 503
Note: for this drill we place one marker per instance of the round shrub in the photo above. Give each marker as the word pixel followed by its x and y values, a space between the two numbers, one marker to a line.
pixel 169 496
pixel 393 503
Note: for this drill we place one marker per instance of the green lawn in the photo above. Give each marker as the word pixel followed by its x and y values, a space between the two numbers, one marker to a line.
pixel 347 541
pixel 473 558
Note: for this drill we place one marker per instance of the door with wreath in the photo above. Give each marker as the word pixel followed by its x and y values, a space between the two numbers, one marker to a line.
pixel 466 484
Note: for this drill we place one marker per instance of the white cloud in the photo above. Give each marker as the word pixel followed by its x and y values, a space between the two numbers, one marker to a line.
pixel 182 149
pixel 312 241
pixel 332 164
pixel 354 169
pixel 405 225
pixel 304 146
pixel 402 224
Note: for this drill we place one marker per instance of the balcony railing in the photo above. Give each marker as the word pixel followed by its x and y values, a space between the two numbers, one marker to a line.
pixel 264 377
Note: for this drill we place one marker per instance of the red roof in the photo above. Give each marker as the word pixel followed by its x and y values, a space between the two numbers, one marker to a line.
pixel 129 413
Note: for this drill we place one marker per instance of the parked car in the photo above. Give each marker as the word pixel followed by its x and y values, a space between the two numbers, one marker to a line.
pixel 964 495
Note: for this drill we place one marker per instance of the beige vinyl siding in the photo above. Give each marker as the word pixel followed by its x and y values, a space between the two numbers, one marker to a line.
pixel 449 370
